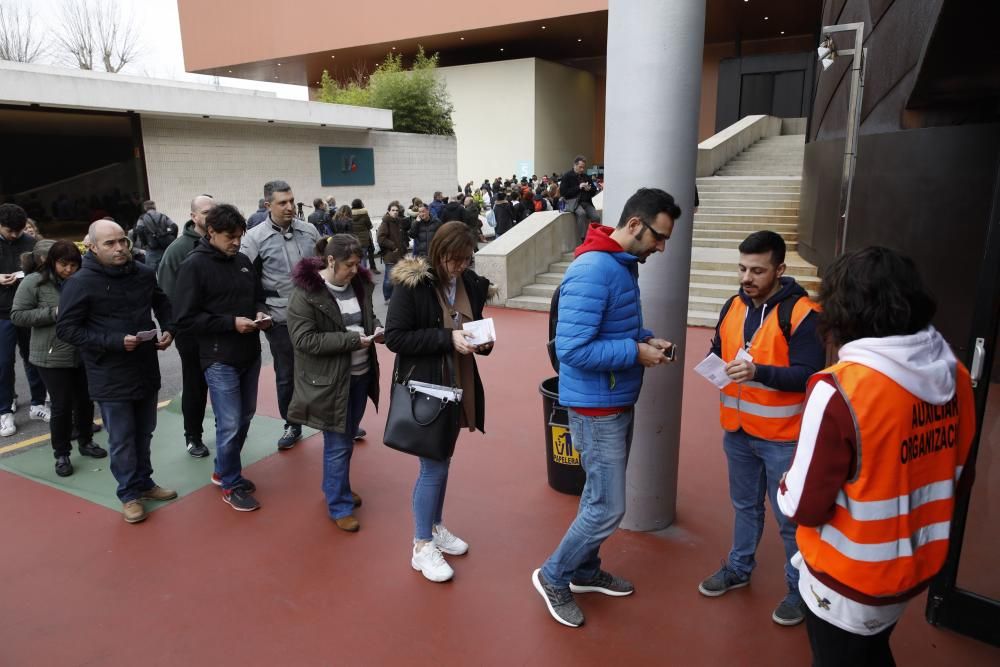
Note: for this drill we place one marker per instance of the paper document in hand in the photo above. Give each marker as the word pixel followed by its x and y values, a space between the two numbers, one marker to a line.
pixel 482 331
pixel 436 390
pixel 378 331
pixel 713 369
pixel 143 336
pixel 744 355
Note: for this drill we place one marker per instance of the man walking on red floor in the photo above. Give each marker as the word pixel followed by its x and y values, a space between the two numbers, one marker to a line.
pixel 603 349
pixel 767 336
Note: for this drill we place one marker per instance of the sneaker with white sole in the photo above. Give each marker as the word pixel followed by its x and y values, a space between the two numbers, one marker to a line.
pixel 448 542
pixel 429 562
pixel 7 425
pixel 559 601
pixel 39 412
pixel 603 582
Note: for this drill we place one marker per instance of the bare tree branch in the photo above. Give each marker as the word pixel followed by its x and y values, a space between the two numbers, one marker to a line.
pixel 96 31
pixel 18 40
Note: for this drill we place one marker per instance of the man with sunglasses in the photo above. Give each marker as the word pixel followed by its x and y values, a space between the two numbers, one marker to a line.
pixel 603 350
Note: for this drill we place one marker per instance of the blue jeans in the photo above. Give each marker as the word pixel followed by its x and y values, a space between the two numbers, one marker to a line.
pixel 603 443
pixel 130 426
pixel 12 337
pixel 234 402
pixel 387 281
pixel 284 366
pixel 337 450
pixel 428 497
pixel 755 468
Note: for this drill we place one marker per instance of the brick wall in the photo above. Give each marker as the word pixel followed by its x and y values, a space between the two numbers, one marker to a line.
pixel 232 161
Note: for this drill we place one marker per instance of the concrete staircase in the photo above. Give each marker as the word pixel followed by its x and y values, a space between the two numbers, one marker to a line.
pixel 538 295
pixel 757 189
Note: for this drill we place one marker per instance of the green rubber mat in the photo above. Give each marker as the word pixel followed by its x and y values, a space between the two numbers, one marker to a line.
pixel 172 466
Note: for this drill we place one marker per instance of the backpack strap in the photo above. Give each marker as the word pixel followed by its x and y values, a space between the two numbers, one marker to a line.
pixel 785 309
pixel 553 323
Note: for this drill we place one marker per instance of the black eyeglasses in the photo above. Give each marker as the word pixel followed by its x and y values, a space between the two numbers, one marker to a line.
pixel 657 236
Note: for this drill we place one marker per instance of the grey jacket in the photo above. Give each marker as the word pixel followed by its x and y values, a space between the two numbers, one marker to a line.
pixel 274 256
pixel 35 306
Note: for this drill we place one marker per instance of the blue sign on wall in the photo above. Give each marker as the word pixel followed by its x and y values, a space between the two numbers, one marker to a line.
pixel 346 166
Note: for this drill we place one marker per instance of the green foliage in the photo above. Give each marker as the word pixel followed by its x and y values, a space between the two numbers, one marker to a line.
pixel 418 99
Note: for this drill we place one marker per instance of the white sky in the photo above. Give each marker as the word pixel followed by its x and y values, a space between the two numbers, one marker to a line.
pixel 161 53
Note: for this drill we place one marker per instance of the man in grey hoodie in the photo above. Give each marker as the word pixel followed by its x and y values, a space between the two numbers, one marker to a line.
pixel 195 393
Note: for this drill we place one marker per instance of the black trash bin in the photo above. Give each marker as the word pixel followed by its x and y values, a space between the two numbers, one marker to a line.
pixel 562 461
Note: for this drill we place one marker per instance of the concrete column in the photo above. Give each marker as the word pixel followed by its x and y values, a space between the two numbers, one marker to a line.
pixel 651 140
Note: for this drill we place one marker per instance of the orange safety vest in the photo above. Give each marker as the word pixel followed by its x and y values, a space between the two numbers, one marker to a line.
pixel 889 532
pixel 761 411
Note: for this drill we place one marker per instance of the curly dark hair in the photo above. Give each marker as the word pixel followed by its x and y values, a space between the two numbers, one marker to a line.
pixel 872 293
pixel 225 218
pixel 13 217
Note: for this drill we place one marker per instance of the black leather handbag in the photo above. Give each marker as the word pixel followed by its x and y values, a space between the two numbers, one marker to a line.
pixel 421 424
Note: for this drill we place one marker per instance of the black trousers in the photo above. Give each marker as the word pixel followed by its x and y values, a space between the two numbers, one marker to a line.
pixel 71 406
pixel 194 394
pixel 833 647
pixel 284 365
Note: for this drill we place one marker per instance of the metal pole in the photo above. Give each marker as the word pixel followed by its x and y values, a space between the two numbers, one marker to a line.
pixel 651 138
pixel 858 65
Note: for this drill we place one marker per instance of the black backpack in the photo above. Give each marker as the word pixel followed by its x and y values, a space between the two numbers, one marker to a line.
pixel 785 308
pixel 553 321
pixel 158 235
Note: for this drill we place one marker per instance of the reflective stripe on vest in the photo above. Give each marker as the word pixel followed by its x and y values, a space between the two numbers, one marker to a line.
pixel 763 412
pixel 890 527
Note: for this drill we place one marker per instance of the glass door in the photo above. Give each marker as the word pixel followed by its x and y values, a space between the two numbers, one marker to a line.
pixel 965 597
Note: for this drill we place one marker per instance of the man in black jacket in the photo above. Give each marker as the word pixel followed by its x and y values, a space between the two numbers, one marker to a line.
pixel 503 214
pixel 577 188
pixel 217 295
pixel 104 309
pixel 14 242
pixel 422 230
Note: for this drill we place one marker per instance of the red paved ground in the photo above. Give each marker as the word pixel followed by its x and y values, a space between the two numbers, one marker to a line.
pixel 199 584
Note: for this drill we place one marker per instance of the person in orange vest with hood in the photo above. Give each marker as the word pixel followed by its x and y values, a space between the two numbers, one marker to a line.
pixel 767 336
pixel 881 458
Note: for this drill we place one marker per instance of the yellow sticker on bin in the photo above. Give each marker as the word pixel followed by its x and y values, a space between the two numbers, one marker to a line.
pixel 562 447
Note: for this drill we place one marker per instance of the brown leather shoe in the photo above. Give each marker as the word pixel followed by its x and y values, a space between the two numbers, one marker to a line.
pixel 158 493
pixel 348 523
pixel 133 511
pixel 356 498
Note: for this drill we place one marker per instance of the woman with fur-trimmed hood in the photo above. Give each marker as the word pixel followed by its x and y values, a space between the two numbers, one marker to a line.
pixel 432 298
pixel 333 328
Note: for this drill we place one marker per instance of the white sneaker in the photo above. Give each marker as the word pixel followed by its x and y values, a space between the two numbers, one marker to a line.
pixel 429 561
pixel 7 425
pixel 39 412
pixel 447 542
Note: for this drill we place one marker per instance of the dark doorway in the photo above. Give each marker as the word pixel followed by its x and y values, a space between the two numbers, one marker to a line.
pixel 68 168
pixel 774 85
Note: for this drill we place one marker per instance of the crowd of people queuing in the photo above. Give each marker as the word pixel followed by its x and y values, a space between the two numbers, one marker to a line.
pixel 793 427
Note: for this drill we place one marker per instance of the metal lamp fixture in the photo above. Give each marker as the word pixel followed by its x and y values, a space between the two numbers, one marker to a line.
pixel 826 53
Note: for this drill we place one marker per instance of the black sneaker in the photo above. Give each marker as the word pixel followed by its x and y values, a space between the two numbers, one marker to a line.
pixel 289 437
pixel 247 485
pixel 790 611
pixel 559 601
pixel 603 582
pixel 722 581
pixel 196 448
pixel 92 450
pixel 361 434
pixel 63 467
pixel 240 500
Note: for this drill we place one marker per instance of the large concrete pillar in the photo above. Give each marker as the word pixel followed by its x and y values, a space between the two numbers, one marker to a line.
pixel 651 137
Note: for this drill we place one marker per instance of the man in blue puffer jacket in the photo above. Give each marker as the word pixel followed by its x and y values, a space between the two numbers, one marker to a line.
pixel 603 349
